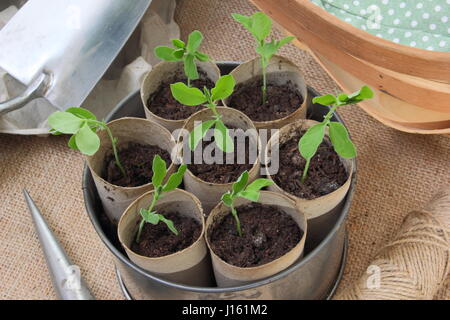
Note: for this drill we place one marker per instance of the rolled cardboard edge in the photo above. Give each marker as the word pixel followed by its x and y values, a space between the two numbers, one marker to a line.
pixel 280 70
pixel 315 207
pixel 228 275
pixel 160 73
pixel 116 199
pixel 210 193
pixel 188 266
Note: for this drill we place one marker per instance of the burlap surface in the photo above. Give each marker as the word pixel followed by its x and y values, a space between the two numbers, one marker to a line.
pixel 397 172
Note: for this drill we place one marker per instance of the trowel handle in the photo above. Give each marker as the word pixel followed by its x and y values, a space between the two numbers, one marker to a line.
pixel 35 90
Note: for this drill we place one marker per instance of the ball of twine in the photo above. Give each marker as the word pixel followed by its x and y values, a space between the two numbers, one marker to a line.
pixel 415 264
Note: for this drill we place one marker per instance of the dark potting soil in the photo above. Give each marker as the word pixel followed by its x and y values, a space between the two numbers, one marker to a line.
pixel 137 160
pixel 163 104
pixel 267 234
pixel 282 100
pixel 325 175
pixel 158 240
pixel 221 173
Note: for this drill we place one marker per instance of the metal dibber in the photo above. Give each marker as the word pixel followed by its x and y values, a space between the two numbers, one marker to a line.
pixel 66 277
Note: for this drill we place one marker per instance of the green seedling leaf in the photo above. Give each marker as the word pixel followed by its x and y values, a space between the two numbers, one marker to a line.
pixel 199 132
pixel 241 182
pixel 149 216
pixel 341 141
pixel 179 54
pixel 342 97
pixel 244 20
pixel 175 179
pixel 194 41
pixel 285 41
pixel 222 137
pixel 186 95
pixel 227 199
pixel 159 171
pixel 87 141
pixel 165 53
pixel 261 26
pixel 326 100
pixel 250 195
pixel 311 140
pixel 169 224
pixel 224 88
pixel 72 143
pixel 82 113
pixel 65 122
pixel 177 43
pixel 190 68
pixel 201 56
pixel 258 184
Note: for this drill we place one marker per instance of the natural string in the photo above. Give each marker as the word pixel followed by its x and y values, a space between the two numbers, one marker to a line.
pixel 416 263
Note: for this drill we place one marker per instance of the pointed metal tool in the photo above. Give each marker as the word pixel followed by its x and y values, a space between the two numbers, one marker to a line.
pixel 66 277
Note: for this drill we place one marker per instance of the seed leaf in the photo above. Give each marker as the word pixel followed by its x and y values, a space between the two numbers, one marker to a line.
pixel 65 122
pixel 159 171
pixel 227 199
pixel 341 141
pixel 178 54
pixel 72 143
pixel 169 224
pixel 199 132
pixel 178 43
pixel 175 179
pixel 222 137
pixel 202 56
pixel 187 96
pixel 311 140
pixel 261 26
pixel 87 141
pixel 190 67
pixel 241 182
pixel 224 88
pixel 244 20
pixel 82 113
pixel 194 41
pixel 249 195
pixel 326 100
pixel 258 184
pixel 165 53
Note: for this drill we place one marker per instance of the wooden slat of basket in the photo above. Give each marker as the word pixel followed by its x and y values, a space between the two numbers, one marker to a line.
pixel 303 18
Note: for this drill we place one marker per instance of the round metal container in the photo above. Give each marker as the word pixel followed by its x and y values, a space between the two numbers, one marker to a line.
pixel 316 276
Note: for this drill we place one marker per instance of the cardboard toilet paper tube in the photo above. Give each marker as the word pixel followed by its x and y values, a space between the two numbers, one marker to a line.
pixel 116 199
pixel 210 193
pixel 161 73
pixel 315 207
pixel 279 71
pixel 228 275
pixel 190 266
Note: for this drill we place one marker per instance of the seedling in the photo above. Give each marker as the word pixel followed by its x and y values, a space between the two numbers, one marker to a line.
pixel 188 53
pixel 149 215
pixel 311 140
pixel 260 26
pixel 194 97
pixel 241 190
pixel 83 126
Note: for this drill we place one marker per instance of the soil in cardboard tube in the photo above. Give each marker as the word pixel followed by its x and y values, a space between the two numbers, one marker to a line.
pixel 267 234
pixel 137 160
pixel 282 100
pixel 221 173
pixel 164 105
pixel 325 175
pixel 158 240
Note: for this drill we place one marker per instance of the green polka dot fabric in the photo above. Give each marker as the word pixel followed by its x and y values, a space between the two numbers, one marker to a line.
pixel 422 24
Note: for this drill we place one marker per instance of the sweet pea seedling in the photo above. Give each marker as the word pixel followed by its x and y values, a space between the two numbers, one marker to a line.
pixel 311 140
pixel 260 26
pixel 194 97
pixel 188 53
pixel 82 125
pixel 241 190
pixel 149 215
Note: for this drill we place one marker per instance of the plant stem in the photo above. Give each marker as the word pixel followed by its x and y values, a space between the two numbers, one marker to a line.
pixel 114 147
pixel 305 171
pixel 188 82
pixel 141 227
pixel 236 218
pixel 264 86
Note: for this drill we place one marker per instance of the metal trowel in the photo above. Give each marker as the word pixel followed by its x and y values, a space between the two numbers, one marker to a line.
pixel 61 49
